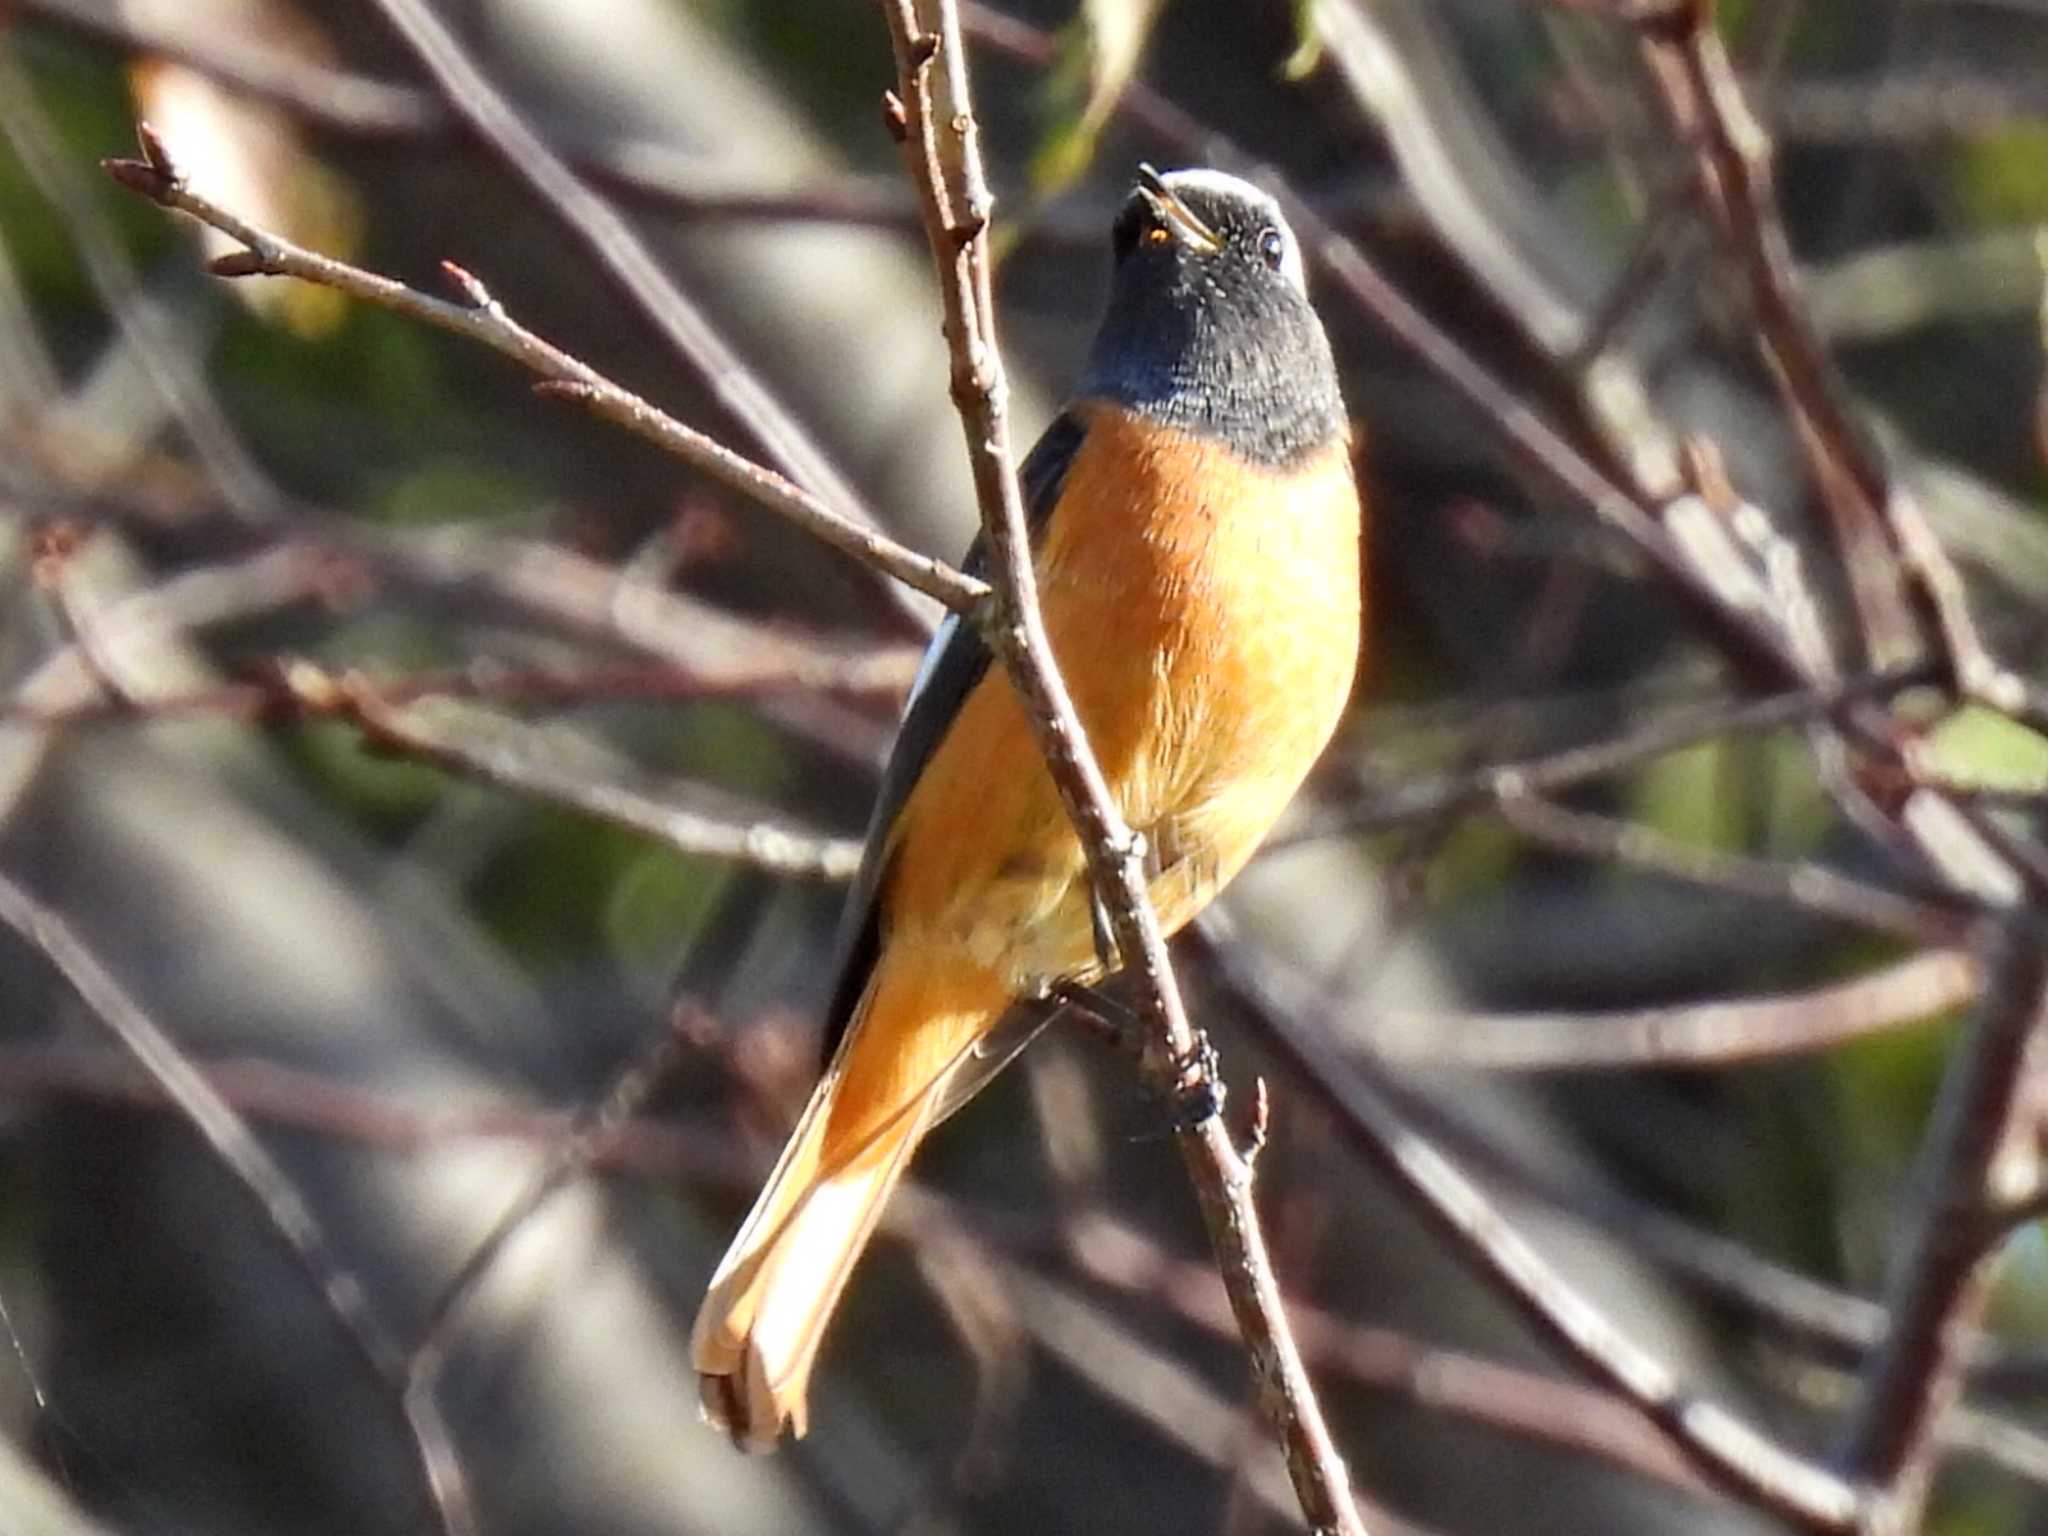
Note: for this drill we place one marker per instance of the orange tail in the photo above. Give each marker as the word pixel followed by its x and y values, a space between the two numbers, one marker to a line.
pixel 758 1331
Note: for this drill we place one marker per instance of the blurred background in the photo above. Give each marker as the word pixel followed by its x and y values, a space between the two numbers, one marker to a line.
pixel 464 788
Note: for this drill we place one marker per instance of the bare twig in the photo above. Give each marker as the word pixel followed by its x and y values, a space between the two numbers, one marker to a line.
pixel 1729 1452
pixel 1708 113
pixel 365 1115
pixel 1879 526
pixel 1171 1398
pixel 289 1217
pixel 482 319
pixel 1941 1277
pixel 1843 1324
pixel 270 692
pixel 582 1143
pixel 1541 1410
pixel 193 599
pixel 542 583
pixel 941 147
pixel 493 752
pixel 1808 886
pixel 645 174
pixel 620 255
pixel 141 321
pixel 1723 1033
pixel 1423 799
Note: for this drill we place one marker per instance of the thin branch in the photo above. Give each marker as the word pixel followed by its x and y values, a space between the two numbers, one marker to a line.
pixel 934 116
pixel 1426 799
pixel 578 1148
pixel 193 599
pixel 1712 1035
pixel 1755 637
pixel 1576 1418
pixel 271 691
pixel 619 254
pixel 140 320
pixel 1846 1325
pixel 415 721
pixel 366 1116
pixel 1941 1276
pixel 540 583
pixel 507 756
pixel 1159 1391
pixel 1537 1409
pixel 1880 527
pixel 650 174
pixel 266 1184
pixel 481 318
pixel 1747 638
pixel 1729 1452
pixel 1807 886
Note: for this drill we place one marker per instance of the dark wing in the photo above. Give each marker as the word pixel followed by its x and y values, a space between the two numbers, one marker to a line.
pixel 956 661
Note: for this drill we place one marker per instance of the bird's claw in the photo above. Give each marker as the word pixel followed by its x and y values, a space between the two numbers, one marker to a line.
pixel 1198 1088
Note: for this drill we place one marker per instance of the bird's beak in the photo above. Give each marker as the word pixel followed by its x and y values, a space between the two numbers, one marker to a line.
pixel 1175 214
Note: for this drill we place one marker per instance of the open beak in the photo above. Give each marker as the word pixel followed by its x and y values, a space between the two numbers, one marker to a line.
pixel 1175 214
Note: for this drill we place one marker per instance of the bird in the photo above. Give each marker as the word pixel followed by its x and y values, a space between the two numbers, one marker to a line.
pixel 1196 533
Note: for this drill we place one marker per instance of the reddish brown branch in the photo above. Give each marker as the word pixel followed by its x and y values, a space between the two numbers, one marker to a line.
pixel 266 1184
pixel 619 256
pixel 1712 1035
pixel 1418 798
pixel 512 757
pixel 1941 1276
pixel 1539 1409
pixel 270 693
pixel 481 318
pixel 933 116
pixel 1731 1453
pixel 1807 886
pixel 1883 535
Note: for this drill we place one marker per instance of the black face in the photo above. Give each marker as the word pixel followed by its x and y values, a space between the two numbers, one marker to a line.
pixel 1209 327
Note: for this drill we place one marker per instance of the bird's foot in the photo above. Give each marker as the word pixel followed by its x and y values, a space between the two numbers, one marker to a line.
pixel 1198 1087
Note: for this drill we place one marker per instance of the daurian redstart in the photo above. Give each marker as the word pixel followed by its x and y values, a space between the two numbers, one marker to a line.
pixel 1195 528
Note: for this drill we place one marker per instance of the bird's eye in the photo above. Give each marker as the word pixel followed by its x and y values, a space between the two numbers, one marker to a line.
pixel 1273 247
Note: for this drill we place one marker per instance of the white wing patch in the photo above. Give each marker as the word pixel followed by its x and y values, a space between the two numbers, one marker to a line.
pixel 948 628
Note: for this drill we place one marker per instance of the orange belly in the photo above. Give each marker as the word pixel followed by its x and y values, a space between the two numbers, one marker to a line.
pixel 1206 618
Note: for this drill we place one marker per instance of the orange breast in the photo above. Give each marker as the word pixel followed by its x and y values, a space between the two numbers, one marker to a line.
pixel 1205 615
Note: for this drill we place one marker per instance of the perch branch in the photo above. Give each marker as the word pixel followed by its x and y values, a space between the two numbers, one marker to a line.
pixel 481 318
pixel 932 115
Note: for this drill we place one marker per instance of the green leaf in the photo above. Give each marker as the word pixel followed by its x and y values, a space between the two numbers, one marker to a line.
pixel 1099 56
pixel 1308 43
pixel 2001 175
pixel 1685 795
pixel 455 492
pixel 1983 749
pixel 657 900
